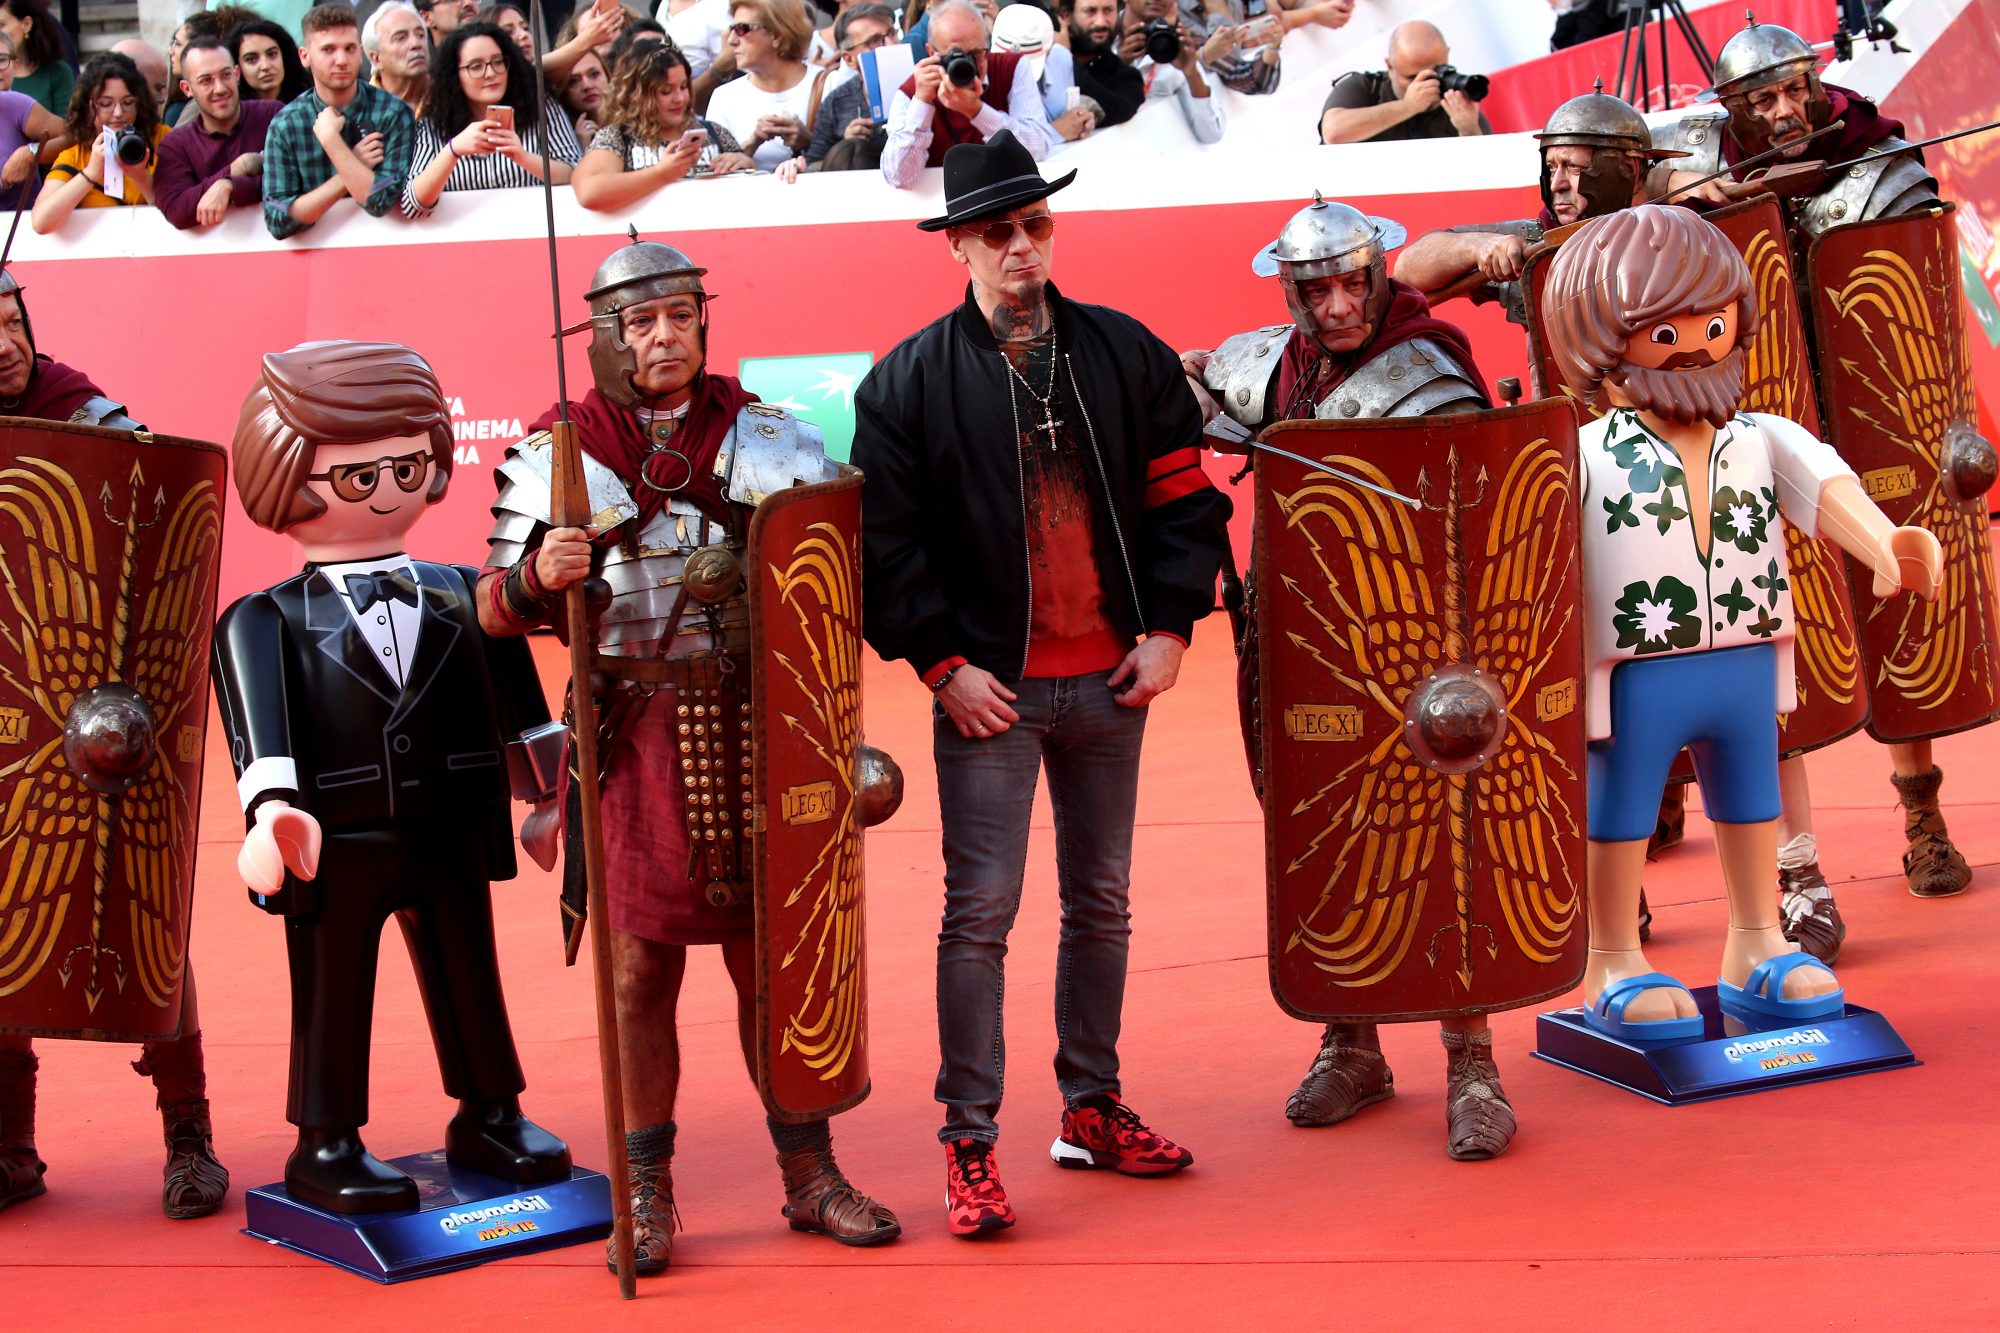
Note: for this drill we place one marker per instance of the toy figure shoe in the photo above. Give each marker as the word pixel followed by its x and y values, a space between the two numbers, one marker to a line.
pixel 1760 1002
pixel 1607 1015
pixel 494 1137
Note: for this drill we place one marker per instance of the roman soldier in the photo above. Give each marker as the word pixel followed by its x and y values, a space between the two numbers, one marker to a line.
pixel 36 386
pixel 679 462
pixel 1360 345
pixel 1596 151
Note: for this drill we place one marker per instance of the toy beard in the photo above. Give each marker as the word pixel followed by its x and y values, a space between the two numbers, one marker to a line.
pixel 1708 393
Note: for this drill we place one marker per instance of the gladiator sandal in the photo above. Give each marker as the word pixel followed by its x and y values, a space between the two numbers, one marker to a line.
pixel 1347 1074
pixel 195 1181
pixel 818 1198
pixel 1933 865
pixel 21 1167
pixel 1805 902
pixel 1671 825
pixel 649 1160
pixel 1479 1122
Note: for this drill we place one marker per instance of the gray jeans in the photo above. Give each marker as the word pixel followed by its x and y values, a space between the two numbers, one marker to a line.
pixel 1089 744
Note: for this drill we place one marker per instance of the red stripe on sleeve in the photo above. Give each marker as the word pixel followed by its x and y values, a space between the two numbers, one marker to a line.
pixel 1172 488
pixel 1173 462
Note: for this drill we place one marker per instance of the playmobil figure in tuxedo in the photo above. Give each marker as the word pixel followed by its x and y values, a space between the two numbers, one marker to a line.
pixel 373 727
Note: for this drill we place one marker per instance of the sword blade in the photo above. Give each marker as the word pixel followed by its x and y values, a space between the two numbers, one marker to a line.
pixel 1340 474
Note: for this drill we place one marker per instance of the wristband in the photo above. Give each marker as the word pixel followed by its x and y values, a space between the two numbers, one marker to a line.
pixel 522 604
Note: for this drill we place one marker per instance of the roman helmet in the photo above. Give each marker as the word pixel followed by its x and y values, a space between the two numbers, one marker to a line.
pixel 1760 55
pixel 637 272
pixel 1623 145
pixel 1325 239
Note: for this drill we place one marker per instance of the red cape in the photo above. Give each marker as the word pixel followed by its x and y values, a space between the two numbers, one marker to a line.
pixel 55 392
pixel 1409 317
pixel 613 436
pixel 1866 126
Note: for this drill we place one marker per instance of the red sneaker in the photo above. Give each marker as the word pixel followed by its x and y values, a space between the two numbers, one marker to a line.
pixel 974 1202
pixel 1106 1133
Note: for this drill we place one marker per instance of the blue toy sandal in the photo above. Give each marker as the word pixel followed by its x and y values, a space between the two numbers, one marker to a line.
pixel 1607 1015
pixel 1760 1001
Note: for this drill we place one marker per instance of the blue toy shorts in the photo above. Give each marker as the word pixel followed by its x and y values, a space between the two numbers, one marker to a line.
pixel 1721 706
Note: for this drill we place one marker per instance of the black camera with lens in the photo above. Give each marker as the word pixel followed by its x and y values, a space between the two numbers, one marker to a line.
pixel 1452 80
pixel 131 147
pixel 1163 43
pixel 961 67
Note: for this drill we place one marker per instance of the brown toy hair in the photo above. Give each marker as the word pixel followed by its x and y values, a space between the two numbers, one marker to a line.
pixel 331 393
pixel 1623 271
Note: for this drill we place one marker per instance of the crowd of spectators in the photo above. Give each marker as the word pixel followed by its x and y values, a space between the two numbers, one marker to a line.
pixel 304 111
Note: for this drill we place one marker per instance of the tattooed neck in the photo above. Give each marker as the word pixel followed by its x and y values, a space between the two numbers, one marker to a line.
pixel 1016 321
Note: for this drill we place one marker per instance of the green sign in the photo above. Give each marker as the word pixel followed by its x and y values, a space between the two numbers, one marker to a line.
pixel 820 389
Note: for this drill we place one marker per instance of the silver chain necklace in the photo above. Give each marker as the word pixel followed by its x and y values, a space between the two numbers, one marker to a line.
pixel 1050 423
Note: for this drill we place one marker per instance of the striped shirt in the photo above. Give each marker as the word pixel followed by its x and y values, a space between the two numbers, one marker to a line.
pixel 636 155
pixel 489 171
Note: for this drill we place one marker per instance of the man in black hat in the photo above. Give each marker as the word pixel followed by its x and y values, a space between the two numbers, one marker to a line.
pixel 1039 541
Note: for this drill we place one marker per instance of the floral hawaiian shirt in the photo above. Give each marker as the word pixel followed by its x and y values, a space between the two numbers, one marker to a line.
pixel 1649 587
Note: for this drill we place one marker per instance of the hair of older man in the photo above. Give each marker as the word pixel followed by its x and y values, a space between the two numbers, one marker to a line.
pixel 946 8
pixel 1619 273
pixel 866 9
pixel 371 31
pixel 331 393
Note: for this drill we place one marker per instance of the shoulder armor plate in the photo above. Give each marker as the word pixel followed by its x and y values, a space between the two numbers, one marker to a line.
pixel 526 474
pixel 1699 135
pixel 1882 188
pixel 1411 379
pixel 1240 372
pixel 770 450
pixel 101 411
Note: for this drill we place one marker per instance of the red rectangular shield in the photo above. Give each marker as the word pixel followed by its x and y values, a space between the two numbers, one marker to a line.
pixel 1421 699
pixel 805 616
pixel 1890 323
pixel 109 543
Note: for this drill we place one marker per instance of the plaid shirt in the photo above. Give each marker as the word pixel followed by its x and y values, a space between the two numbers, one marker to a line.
pixel 295 164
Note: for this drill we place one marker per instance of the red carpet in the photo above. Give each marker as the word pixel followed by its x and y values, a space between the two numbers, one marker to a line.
pixel 1867 1201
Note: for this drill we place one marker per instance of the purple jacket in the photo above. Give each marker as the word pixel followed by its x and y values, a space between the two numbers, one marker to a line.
pixel 192 159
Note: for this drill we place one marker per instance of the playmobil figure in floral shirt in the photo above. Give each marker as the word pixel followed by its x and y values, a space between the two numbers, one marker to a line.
pixel 1688 629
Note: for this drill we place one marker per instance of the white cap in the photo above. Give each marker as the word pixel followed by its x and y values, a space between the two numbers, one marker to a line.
pixel 1023 28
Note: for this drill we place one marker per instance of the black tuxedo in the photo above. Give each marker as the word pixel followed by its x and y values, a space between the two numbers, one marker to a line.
pixel 410 789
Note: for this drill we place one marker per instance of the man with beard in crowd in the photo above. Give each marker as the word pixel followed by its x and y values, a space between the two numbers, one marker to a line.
pixel 1359 345
pixel 215 163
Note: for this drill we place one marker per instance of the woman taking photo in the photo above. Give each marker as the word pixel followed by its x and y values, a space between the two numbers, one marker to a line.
pixel 770 109
pixel 41 70
pixel 483 129
pixel 109 95
pixel 651 136
pixel 267 58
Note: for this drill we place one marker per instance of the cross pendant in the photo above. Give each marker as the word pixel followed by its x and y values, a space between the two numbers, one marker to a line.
pixel 1049 426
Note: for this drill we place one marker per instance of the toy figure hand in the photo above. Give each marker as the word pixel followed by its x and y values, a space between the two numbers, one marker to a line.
pixel 1152 668
pixel 541 833
pixel 1909 559
pixel 283 839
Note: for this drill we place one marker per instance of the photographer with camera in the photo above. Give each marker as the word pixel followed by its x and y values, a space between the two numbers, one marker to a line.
pixel 1169 58
pixel 115 126
pixel 1420 95
pixel 961 93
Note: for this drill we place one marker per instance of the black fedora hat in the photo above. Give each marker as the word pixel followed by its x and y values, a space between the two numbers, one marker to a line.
pixel 983 180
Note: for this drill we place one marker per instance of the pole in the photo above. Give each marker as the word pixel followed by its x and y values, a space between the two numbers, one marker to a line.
pixel 569 506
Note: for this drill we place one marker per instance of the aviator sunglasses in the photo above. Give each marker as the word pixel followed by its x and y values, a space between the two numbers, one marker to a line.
pixel 1000 235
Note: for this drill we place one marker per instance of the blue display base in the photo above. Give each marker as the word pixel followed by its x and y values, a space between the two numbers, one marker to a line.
pixel 1724 1063
pixel 462 1218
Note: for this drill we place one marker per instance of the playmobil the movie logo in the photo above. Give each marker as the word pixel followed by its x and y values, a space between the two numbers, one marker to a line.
pixel 1780 1052
pixel 499 1221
